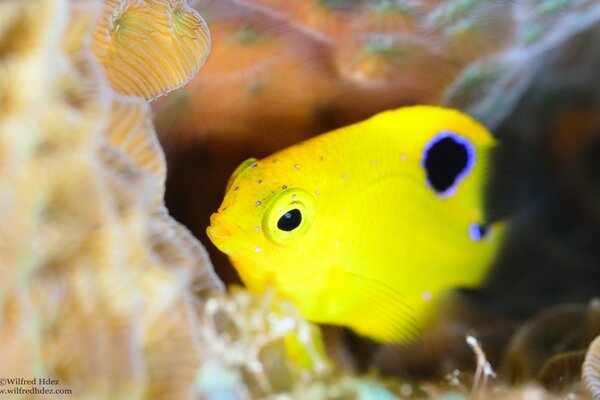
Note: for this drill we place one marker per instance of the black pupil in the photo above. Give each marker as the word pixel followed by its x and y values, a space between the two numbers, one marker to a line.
pixel 290 220
pixel 444 162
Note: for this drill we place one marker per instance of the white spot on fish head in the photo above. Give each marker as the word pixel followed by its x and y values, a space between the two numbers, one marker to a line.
pixel 257 249
pixel 297 166
pixel 345 176
pixel 337 244
pixel 257 229
pixel 318 191
pixel 426 295
pixel 294 196
pixel 403 157
pixel 258 203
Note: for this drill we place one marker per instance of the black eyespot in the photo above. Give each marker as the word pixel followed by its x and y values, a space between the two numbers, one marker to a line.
pixel 290 220
pixel 446 159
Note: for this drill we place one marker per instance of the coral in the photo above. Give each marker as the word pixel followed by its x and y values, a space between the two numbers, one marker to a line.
pixel 328 63
pixel 552 345
pixel 261 347
pixel 591 368
pixel 99 283
pixel 152 47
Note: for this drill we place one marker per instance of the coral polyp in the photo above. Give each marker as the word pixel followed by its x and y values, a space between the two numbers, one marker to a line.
pixel 148 48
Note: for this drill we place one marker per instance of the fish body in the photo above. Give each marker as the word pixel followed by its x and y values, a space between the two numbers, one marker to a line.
pixel 366 226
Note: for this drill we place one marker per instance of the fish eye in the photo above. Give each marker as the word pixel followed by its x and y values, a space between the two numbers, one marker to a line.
pixel 289 216
pixel 447 159
pixel 290 220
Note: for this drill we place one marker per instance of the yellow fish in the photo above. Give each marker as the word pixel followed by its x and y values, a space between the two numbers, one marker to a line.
pixel 366 226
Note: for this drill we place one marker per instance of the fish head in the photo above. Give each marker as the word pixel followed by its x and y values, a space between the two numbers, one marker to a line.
pixel 267 224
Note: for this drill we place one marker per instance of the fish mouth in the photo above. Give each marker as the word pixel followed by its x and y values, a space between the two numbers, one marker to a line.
pixel 219 234
pixel 217 230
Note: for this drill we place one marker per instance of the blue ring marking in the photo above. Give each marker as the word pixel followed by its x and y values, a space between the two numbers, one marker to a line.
pixel 478 232
pixel 471 155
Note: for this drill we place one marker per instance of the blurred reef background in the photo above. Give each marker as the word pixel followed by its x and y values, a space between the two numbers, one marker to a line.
pixel 107 292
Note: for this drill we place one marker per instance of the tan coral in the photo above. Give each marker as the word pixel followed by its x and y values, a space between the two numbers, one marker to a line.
pixel 97 278
pixel 591 369
pixel 148 48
